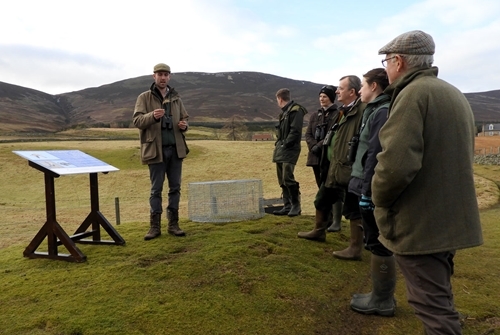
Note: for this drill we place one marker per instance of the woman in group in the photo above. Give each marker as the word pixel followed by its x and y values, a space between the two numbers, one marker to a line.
pixel 383 272
pixel 319 123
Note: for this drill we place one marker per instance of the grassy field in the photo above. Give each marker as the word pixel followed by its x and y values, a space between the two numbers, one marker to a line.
pixel 250 277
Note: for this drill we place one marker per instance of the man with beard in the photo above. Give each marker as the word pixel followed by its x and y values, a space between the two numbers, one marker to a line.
pixel 162 120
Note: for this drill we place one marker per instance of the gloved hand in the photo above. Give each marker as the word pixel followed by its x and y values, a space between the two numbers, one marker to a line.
pixel 317 149
pixel 366 203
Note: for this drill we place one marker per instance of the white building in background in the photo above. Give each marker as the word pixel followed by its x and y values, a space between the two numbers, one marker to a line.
pixel 492 129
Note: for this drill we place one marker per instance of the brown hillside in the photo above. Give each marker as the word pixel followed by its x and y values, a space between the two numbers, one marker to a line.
pixel 27 110
pixel 208 97
pixel 486 105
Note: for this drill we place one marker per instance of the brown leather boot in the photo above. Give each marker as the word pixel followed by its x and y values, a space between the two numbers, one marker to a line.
pixel 155 227
pixel 353 252
pixel 318 233
pixel 173 223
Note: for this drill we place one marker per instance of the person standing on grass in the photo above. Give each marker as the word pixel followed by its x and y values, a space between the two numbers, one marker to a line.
pixel 319 123
pixel 383 266
pixel 337 172
pixel 287 150
pixel 423 187
pixel 162 121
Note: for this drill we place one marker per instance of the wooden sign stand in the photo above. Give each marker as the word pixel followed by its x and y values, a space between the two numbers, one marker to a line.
pixel 56 235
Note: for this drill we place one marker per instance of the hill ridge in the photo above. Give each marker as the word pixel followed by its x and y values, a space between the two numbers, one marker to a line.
pixel 208 97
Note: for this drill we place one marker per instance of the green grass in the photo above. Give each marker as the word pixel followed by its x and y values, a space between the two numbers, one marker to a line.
pixel 250 277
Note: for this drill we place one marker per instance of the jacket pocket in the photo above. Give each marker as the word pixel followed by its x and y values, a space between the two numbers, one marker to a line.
pixel 386 222
pixel 148 150
pixel 343 174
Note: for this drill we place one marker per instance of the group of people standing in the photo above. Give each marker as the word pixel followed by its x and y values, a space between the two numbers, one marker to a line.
pixel 396 160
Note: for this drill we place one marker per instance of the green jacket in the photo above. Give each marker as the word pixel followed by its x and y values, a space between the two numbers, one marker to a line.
pixel 423 186
pixel 289 133
pixel 369 145
pixel 339 169
pixel 150 128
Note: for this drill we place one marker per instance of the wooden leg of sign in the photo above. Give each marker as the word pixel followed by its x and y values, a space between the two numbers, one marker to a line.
pixel 53 231
pixel 97 220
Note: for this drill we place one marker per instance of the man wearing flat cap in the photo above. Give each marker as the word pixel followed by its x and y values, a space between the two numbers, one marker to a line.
pixel 162 121
pixel 423 187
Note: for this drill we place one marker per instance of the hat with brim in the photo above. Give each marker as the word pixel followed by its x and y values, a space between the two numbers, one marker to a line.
pixel 161 67
pixel 414 42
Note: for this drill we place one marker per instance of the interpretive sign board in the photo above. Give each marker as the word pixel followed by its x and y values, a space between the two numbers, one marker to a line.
pixel 64 162
pixel 54 163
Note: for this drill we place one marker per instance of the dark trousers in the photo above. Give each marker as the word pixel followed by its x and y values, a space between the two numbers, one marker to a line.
pixel 429 291
pixel 284 172
pixel 327 196
pixel 172 168
pixel 371 233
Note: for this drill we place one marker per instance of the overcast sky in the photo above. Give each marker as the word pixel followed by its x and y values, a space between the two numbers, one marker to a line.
pixel 62 46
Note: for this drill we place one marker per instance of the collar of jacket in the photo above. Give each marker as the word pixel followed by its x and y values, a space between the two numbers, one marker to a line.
pixel 393 89
pixel 330 109
pixel 382 98
pixel 347 109
pixel 171 93
pixel 287 106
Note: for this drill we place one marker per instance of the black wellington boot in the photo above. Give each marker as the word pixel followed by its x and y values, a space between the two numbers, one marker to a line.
pixel 295 199
pixel 380 300
pixel 287 205
pixel 337 217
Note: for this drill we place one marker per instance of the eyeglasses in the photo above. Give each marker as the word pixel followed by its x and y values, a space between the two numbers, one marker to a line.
pixel 384 61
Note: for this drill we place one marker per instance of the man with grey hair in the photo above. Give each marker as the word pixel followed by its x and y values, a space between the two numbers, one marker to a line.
pixel 423 186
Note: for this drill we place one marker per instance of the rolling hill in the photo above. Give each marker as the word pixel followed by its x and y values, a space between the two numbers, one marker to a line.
pixel 208 97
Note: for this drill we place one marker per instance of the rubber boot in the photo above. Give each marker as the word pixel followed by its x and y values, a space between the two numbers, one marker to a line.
pixel 337 217
pixel 318 233
pixel 295 199
pixel 155 226
pixel 287 205
pixel 173 223
pixel 353 252
pixel 380 300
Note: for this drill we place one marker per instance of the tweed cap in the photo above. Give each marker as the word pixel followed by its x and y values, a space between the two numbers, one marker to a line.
pixel 329 90
pixel 414 42
pixel 161 67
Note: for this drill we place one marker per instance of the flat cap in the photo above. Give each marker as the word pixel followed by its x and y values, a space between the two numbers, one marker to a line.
pixel 161 67
pixel 414 42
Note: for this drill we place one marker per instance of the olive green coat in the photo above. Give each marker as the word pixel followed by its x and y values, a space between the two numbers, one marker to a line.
pixel 150 128
pixel 339 170
pixel 423 186
pixel 289 134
